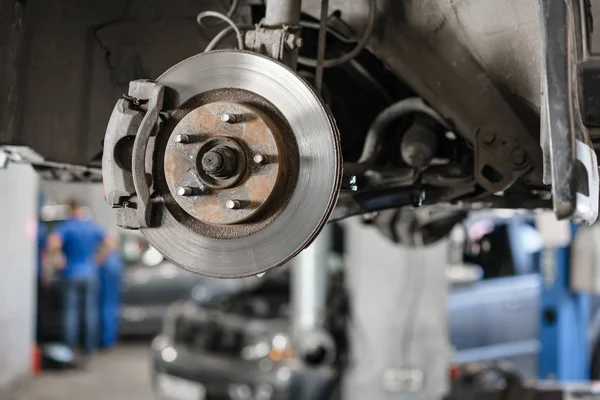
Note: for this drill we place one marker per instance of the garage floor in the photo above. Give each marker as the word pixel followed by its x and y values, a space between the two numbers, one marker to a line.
pixel 122 374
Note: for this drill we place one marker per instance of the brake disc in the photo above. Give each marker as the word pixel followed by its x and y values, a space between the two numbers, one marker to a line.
pixel 248 166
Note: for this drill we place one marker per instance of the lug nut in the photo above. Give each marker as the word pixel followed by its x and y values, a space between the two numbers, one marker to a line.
pixel 229 118
pixel 261 159
pixel 185 191
pixel 212 162
pixel 233 204
pixel 220 162
pixel 182 139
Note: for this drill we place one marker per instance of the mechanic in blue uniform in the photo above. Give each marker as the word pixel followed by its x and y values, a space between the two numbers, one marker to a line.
pixel 84 245
pixel 110 297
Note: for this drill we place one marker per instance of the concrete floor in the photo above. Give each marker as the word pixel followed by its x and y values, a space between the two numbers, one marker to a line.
pixel 122 374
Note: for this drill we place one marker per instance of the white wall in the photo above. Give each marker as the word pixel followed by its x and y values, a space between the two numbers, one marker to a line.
pixel 89 194
pixel 18 255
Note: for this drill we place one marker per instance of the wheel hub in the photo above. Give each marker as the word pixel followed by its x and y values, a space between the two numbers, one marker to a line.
pixel 212 162
pixel 248 166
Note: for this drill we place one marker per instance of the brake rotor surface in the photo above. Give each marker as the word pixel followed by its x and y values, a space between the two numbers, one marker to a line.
pixel 248 166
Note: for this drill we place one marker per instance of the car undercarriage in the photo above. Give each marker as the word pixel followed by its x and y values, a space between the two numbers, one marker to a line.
pixel 274 118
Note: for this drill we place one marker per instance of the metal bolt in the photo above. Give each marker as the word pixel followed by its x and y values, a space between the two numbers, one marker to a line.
pixel 229 118
pixel 489 138
pixel 518 157
pixel 370 216
pixel 418 197
pixel 233 204
pixel 261 159
pixel 182 139
pixel 185 191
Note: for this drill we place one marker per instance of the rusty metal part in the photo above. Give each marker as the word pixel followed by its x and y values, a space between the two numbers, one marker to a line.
pixel 286 181
pixel 307 186
pixel 218 141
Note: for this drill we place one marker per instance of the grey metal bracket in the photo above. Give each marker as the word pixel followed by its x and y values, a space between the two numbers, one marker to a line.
pixel 498 176
pixel 155 95
pixel 570 163
pixel 281 44
pixel 126 144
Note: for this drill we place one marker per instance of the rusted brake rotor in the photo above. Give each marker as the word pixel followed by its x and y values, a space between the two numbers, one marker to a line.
pixel 248 166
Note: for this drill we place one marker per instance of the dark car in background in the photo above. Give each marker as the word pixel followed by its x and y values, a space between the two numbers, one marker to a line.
pixel 240 348
pixel 207 347
pixel 506 293
pixel 152 283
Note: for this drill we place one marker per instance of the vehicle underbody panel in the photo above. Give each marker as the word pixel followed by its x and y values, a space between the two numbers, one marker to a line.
pixel 67 62
pixel 477 63
pixel 452 105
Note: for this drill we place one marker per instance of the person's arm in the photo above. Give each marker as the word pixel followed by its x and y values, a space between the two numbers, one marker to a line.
pixel 107 244
pixel 105 248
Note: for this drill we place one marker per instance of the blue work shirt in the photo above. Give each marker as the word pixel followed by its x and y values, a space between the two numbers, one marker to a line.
pixel 81 239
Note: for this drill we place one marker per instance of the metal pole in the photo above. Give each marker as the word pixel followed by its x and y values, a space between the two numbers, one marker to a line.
pixel 309 285
pixel 321 49
pixel 283 12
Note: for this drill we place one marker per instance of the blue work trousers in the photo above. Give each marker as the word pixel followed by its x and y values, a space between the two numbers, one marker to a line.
pixel 80 296
pixel 110 298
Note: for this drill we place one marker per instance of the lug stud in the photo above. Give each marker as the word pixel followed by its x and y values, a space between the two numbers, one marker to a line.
pixel 261 159
pixel 229 118
pixel 182 139
pixel 185 191
pixel 233 204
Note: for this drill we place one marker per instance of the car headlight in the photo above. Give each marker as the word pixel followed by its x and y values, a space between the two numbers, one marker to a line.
pixel 277 347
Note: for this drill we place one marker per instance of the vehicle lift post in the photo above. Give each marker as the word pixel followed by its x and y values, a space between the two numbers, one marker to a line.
pixel 564 313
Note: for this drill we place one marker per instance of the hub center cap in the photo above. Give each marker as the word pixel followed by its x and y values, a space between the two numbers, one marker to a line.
pixel 220 162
